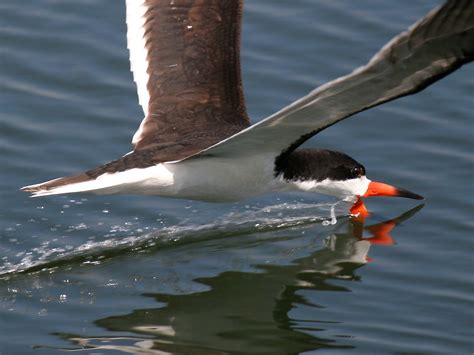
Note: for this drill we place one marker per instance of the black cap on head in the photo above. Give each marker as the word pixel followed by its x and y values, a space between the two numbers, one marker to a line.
pixel 317 164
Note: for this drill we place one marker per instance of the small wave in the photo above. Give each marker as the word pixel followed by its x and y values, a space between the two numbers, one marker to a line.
pixel 279 216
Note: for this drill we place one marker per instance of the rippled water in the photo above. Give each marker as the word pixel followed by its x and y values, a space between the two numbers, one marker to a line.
pixel 275 274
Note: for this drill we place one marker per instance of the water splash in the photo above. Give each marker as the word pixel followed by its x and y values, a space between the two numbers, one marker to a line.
pixel 333 219
pixel 134 237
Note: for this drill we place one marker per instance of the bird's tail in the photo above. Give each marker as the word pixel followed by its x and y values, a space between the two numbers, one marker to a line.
pixel 68 184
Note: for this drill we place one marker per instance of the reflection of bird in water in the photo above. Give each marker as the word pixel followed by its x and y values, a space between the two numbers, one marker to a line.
pixel 196 141
pixel 248 310
pixel 345 252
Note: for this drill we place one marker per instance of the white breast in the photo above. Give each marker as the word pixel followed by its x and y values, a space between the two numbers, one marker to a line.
pixel 220 179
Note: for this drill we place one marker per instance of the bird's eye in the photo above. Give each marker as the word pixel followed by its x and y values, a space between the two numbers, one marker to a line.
pixel 357 171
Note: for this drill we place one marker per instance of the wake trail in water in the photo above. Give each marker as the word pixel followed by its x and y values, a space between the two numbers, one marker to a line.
pixel 259 220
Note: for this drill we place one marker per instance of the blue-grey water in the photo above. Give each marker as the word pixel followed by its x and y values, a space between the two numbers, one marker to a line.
pixel 277 274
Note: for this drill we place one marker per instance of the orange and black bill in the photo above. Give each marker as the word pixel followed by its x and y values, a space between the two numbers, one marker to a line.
pixel 381 189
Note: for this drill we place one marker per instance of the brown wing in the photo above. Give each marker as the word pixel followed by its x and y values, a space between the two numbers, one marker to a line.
pixel 185 58
pixel 435 46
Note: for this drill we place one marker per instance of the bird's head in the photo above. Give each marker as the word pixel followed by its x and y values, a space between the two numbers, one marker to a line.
pixel 334 173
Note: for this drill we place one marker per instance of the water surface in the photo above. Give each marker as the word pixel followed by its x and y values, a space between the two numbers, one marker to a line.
pixel 275 274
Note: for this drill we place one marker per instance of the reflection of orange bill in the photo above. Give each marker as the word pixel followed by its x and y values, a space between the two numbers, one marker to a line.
pixel 381 233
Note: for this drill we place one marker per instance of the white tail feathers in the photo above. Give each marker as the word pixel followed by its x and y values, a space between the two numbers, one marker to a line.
pixel 63 185
pixel 148 181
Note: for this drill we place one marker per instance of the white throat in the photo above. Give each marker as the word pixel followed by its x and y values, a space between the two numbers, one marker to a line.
pixel 346 189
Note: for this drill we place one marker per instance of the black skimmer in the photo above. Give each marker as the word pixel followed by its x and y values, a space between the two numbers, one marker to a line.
pixel 196 141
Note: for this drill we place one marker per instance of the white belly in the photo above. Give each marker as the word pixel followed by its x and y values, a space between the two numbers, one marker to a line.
pixel 222 180
pixel 208 179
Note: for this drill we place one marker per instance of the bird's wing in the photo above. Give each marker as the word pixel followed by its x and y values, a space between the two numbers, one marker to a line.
pixel 184 56
pixel 433 47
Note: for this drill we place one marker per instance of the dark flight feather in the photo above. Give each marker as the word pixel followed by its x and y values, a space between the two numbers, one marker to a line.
pixel 194 73
pixel 435 46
